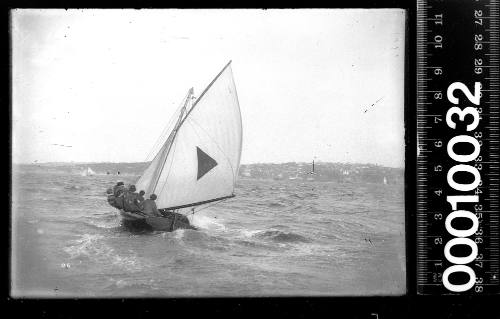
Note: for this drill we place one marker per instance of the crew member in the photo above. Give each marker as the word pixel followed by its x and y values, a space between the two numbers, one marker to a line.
pixel 140 198
pixel 118 189
pixel 131 204
pixel 149 207
pixel 111 197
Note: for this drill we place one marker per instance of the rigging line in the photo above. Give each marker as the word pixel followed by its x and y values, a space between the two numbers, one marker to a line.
pixel 158 168
pixel 155 145
pixel 175 131
pixel 174 146
pixel 166 128
pixel 208 206
pixel 158 154
pixel 216 144
pixel 160 140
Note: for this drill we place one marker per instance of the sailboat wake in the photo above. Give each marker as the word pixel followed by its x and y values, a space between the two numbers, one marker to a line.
pixel 207 223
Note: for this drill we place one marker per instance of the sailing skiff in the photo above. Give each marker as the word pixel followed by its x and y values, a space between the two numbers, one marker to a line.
pixel 198 163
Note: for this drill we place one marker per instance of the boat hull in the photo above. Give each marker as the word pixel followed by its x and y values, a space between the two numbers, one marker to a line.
pixel 131 216
pixel 170 221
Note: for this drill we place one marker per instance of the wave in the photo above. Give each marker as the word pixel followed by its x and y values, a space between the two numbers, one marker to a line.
pixel 276 236
pixel 179 233
pixel 253 245
pixel 278 226
pixel 106 215
pixel 184 235
pixel 197 240
pixel 76 188
pixel 94 248
pixel 295 195
pixel 274 204
pixel 311 195
pixel 86 246
pixel 112 224
pixel 206 222
pixel 250 233
pixel 101 220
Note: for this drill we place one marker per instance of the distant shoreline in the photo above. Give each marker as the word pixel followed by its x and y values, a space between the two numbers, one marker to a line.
pixel 290 171
pixel 243 164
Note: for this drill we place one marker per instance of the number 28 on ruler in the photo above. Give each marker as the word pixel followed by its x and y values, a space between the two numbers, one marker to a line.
pixel 468 117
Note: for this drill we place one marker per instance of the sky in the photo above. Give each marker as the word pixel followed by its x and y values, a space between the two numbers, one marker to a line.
pixel 101 85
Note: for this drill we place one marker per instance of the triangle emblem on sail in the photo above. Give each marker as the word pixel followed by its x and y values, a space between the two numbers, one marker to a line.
pixel 205 163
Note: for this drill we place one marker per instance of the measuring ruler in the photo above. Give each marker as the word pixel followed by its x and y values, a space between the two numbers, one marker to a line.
pixel 457 215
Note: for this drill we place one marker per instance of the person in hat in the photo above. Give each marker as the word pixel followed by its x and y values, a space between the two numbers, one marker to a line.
pixel 131 204
pixel 118 192
pixel 111 197
pixel 140 198
pixel 118 189
pixel 149 207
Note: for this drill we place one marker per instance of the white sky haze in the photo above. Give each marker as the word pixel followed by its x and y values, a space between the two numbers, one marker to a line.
pixel 102 84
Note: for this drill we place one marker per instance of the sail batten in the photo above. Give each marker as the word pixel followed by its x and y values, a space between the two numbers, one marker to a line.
pixel 202 159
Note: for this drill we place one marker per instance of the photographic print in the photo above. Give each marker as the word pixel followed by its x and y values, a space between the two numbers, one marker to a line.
pixel 207 153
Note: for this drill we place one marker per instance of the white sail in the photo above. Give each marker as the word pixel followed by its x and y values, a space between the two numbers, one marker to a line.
pixel 200 162
pixel 87 172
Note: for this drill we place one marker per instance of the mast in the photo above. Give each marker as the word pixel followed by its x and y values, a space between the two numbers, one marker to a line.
pixel 171 138
pixel 313 167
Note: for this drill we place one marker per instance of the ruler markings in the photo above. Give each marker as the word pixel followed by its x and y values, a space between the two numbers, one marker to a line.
pixel 429 57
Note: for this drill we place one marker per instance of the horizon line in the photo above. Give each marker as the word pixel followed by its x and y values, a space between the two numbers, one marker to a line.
pixel 255 163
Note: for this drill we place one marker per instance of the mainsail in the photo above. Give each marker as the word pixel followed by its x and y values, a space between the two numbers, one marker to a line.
pixel 199 161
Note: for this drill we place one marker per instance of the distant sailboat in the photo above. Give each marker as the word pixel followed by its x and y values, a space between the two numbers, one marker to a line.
pixel 88 172
pixel 385 180
pixel 198 162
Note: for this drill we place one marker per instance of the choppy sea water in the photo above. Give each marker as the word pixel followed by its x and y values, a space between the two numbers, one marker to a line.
pixel 275 238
